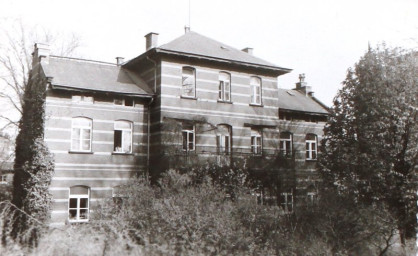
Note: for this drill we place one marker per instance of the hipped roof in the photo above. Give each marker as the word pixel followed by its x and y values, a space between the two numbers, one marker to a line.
pixel 84 75
pixel 293 100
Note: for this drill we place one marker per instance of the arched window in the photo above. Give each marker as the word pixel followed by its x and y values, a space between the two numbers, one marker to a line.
pixel 122 137
pixel 224 86
pixel 81 133
pixel 188 87
pixel 311 146
pixel 286 144
pixel 223 138
pixel 78 204
pixel 255 84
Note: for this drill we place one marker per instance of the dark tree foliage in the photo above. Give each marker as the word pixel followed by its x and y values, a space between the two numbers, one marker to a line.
pixel 33 165
pixel 371 139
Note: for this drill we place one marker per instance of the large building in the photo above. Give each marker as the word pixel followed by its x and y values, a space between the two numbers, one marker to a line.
pixel 189 102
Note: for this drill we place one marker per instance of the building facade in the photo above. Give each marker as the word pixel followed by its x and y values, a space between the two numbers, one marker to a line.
pixel 193 101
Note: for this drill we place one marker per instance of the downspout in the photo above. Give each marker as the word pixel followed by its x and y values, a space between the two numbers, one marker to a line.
pixel 149 118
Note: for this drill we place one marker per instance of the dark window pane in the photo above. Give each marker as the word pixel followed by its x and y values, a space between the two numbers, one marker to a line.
pixel 83 214
pixel 84 203
pixel 117 141
pixel 73 202
pixel 73 214
pixel 129 102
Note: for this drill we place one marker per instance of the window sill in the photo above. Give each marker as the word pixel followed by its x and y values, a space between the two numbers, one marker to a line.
pixel 224 101
pixel 310 160
pixel 80 152
pixel 256 105
pixel 122 153
pixel 188 98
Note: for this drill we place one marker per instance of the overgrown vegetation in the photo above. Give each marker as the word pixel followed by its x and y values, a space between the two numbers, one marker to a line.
pixel 185 217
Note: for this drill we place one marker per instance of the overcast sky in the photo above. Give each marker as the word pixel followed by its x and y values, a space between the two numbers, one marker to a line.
pixel 319 38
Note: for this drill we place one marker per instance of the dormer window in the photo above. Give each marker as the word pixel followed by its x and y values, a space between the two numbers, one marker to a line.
pixel 224 87
pixel 188 87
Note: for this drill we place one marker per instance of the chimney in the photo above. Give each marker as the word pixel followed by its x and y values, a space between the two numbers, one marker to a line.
pixel 40 54
pixel 248 50
pixel 151 40
pixel 186 29
pixel 303 87
pixel 119 60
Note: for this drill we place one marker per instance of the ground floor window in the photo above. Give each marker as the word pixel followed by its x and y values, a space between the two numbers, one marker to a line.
pixel 286 201
pixel 78 204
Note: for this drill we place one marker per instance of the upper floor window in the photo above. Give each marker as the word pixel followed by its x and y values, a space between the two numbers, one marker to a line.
pixel 82 99
pixel 188 87
pixel 224 86
pixel 255 84
pixel 78 204
pixel 81 133
pixel 256 141
pixel 188 135
pixel 223 139
pixel 122 137
pixel 311 146
pixel 286 144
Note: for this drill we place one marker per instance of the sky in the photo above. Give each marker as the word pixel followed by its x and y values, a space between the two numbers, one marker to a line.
pixel 319 38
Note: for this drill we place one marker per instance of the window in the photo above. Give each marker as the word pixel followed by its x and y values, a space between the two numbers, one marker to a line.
pixel 78 204
pixel 223 139
pixel 82 99
pixel 286 201
pixel 3 179
pixel 188 137
pixel 224 86
pixel 122 137
pixel 256 141
pixel 129 102
pixel 81 134
pixel 188 87
pixel 286 144
pixel 311 146
pixel 255 84
pixel 311 197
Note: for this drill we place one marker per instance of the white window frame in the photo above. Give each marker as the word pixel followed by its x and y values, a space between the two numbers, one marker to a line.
pixel 286 144
pixel 124 133
pixel 224 87
pixel 223 139
pixel 311 147
pixel 256 90
pixel 3 179
pixel 288 201
pixel 188 82
pixel 83 129
pixel 188 137
pixel 78 208
pixel 256 141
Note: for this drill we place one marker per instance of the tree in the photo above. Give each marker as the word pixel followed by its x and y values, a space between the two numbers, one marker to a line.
pixel 370 143
pixel 16 46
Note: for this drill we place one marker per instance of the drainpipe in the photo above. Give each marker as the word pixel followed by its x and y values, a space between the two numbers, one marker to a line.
pixel 149 118
pixel 148 137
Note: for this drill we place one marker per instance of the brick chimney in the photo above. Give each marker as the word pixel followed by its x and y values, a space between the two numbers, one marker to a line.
pixel 186 29
pixel 151 40
pixel 40 54
pixel 119 60
pixel 303 87
pixel 248 50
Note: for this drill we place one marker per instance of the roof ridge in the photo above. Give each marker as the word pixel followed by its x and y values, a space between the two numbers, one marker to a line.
pixel 84 60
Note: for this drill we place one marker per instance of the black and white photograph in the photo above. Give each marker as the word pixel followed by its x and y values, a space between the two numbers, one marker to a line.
pixel 195 127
